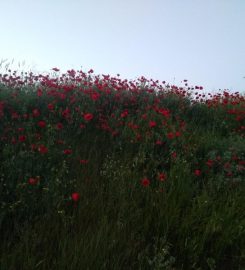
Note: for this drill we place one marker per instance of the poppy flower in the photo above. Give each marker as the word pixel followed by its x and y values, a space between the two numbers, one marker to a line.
pixel 164 112
pixel 170 135
pixel 88 116
pixel 145 182
pixel 95 96
pixel 66 113
pixel 158 142
pixel 177 133
pixel 22 138
pixel 50 106
pixel 174 155
pixel 59 126
pixel 197 172
pixel 42 124
pixel 42 149
pixel 75 196
pixel 67 151
pixel 33 147
pixel 209 163
pixel 83 161
pixel 162 177
pixel 124 114
pixel 62 96
pixel 39 92
pixel 152 124
pixel 35 113
pixel 15 115
pixel 33 181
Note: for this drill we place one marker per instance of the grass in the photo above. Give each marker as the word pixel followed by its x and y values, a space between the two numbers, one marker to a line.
pixel 102 173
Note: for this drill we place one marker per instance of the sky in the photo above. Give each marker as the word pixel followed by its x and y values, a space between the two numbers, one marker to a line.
pixel 166 40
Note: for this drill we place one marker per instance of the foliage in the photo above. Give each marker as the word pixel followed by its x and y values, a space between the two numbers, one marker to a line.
pixel 102 173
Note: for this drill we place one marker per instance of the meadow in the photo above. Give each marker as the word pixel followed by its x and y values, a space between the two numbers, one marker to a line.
pixel 97 172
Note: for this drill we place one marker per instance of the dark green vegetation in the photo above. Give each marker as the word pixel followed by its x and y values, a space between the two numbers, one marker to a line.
pixel 101 173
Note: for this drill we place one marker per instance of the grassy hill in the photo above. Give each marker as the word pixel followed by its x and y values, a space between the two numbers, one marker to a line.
pixel 102 173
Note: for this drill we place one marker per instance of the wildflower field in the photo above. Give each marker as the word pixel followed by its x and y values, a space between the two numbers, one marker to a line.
pixel 97 172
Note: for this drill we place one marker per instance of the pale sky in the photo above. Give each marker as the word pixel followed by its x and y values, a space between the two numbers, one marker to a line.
pixel 172 40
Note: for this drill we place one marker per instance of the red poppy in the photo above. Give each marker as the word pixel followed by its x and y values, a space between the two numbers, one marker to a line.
pixel 38 136
pixel 75 196
pixel 33 147
pixel 66 113
pixel 59 126
pixel 83 161
pixel 162 177
pixel 210 163
pixel 62 96
pixel 124 114
pixel 152 124
pixel 177 133
pixel 42 149
pixel 95 96
pixel 197 172
pixel 50 106
pixel 1 109
pixel 39 92
pixel 164 112
pixel 88 116
pixel 22 138
pixel 35 113
pixel 42 124
pixel 33 181
pixel 170 135
pixel 67 151
pixel 115 133
pixel 174 155
pixel 145 182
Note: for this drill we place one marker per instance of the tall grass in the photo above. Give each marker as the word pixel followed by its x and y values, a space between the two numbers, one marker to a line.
pixel 102 173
